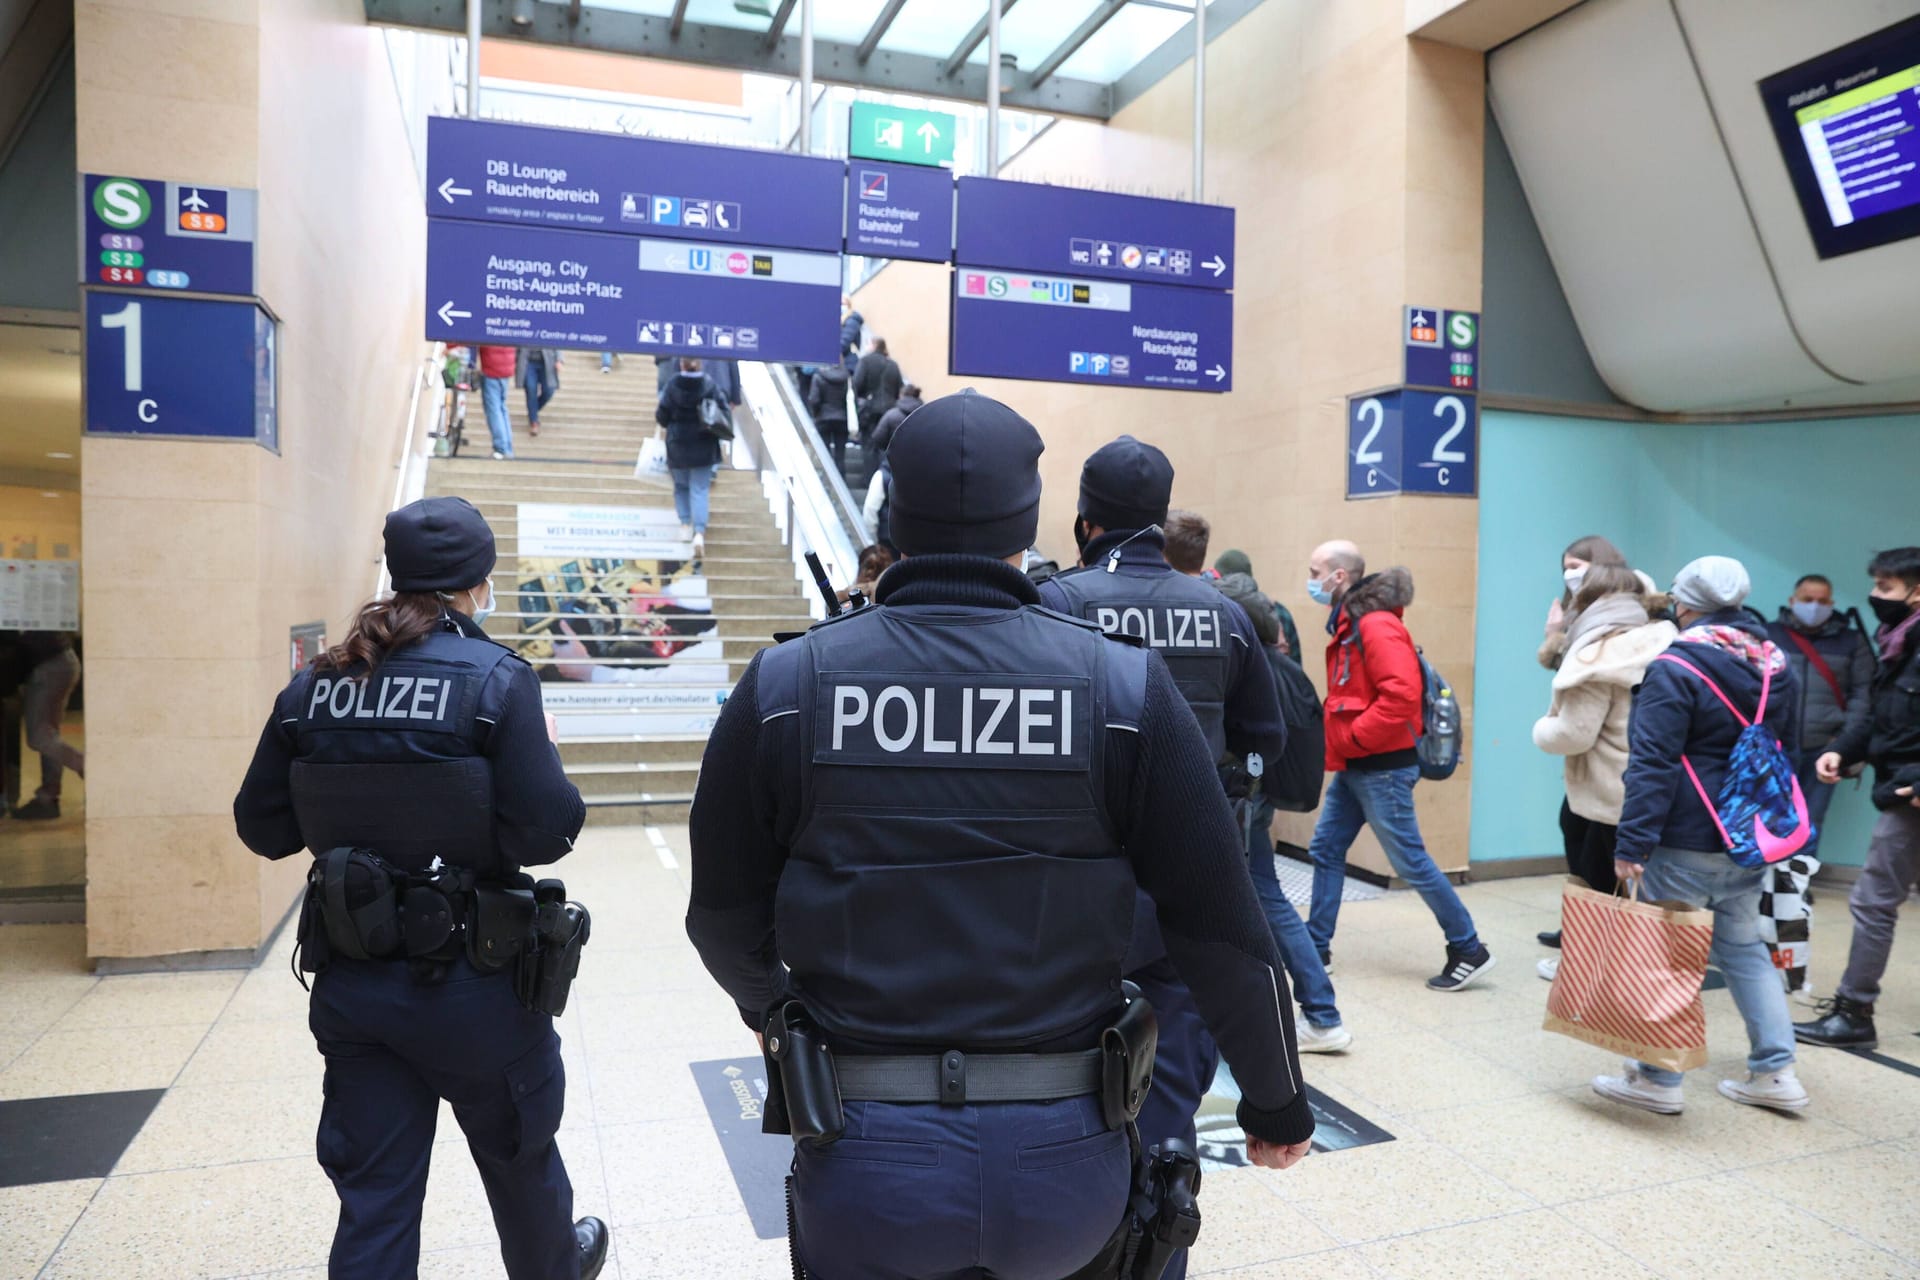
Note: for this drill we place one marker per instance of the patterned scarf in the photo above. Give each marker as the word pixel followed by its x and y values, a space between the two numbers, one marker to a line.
pixel 1757 652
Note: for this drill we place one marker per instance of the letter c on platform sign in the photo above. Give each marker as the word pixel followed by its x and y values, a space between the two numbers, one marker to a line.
pixel 149 410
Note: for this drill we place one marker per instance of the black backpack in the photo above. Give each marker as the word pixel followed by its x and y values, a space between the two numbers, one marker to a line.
pixel 1292 782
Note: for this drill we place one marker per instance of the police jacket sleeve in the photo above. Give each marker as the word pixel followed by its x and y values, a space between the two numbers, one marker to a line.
pixel 537 812
pixel 263 810
pixel 1255 724
pixel 1188 855
pixel 737 860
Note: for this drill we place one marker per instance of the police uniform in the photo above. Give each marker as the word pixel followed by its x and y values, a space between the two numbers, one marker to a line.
pixel 925 822
pixel 439 753
pixel 1127 587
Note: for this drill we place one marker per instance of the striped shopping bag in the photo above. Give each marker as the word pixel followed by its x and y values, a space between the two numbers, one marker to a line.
pixel 1630 975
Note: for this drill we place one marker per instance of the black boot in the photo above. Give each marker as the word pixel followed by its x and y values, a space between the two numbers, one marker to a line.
pixel 590 1236
pixel 1843 1024
pixel 1549 939
pixel 38 809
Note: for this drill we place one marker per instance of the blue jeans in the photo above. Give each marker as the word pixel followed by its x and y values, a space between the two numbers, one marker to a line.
pixel 1383 801
pixel 1819 795
pixel 1018 1190
pixel 540 386
pixel 690 486
pixel 493 395
pixel 1311 985
pixel 1732 892
pixel 606 359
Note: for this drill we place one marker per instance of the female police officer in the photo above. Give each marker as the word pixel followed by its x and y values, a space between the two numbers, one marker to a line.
pixel 425 744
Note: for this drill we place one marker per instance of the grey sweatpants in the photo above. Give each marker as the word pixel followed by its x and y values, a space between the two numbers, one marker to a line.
pixel 1893 863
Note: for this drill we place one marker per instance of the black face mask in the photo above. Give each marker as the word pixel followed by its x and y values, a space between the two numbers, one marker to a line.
pixel 1890 612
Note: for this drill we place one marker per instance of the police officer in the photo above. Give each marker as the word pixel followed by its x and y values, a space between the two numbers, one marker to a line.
pixel 921 826
pixel 423 741
pixel 1126 586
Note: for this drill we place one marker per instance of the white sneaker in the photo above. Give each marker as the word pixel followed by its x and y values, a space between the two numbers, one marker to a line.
pixel 1633 1088
pixel 1807 996
pixel 1548 968
pixel 499 456
pixel 699 544
pixel 1312 1039
pixel 686 533
pixel 1775 1090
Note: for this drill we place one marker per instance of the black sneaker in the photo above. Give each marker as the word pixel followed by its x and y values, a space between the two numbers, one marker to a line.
pixel 590 1236
pixel 1843 1024
pixel 1551 938
pixel 1463 968
pixel 1326 961
pixel 38 809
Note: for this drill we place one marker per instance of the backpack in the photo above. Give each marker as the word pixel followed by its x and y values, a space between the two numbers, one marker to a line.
pixel 1438 746
pixel 1293 779
pixel 1761 795
pixel 715 420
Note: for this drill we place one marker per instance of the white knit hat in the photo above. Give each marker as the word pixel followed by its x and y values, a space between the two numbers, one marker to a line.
pixel 1712 583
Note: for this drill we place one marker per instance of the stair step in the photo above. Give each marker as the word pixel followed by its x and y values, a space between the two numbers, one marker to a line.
pixel 620 811
pixel 656 749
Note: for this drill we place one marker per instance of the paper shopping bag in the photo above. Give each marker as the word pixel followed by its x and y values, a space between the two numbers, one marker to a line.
pixel 1630 975
pixel 653 458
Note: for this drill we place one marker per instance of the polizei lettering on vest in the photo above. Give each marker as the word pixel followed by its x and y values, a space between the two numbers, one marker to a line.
pixel 936 720
pixel 1163 627
pixel 392 697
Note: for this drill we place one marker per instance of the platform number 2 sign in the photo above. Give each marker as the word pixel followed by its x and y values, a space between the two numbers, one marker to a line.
pixel 1407 441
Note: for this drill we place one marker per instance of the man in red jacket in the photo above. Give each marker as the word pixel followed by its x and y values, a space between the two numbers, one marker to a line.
pixel 1374 701
pixel 496 371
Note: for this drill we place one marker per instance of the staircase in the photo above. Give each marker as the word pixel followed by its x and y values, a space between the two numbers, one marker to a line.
pixel 664 665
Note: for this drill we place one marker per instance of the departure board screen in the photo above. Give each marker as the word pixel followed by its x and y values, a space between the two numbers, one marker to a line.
pixel 1849 126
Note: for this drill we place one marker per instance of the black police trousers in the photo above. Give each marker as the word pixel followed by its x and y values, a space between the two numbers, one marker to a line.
pixel 394 1049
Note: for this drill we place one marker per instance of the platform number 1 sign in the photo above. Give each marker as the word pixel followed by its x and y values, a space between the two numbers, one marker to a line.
pixel 186 368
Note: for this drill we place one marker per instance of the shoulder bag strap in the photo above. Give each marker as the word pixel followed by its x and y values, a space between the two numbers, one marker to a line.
pixel 1818 663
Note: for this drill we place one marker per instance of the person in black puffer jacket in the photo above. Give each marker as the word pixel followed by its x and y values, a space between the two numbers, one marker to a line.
pixel 827 402
pixel 1890 742
pixel 693 453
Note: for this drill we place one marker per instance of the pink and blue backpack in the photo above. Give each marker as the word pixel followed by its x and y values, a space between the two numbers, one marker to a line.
pixel 1761 812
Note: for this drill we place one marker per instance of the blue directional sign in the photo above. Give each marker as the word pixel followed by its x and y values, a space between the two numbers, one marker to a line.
pixel 527 287
pixel 1025 226
pixel 190 368
pixel 1050 328
pixel 899 211
pixel 1443 348
pixel 531 176
pixel 1412 441
pixel 141 233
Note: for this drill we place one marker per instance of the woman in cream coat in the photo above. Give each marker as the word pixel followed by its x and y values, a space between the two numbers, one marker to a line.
pixel 1611 639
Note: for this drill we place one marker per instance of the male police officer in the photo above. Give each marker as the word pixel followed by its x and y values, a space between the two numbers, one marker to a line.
pixel 922 823
pixel 424 742
pixel 1127 587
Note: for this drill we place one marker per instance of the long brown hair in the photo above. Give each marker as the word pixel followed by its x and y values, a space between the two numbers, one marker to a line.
pixel 1595 550
pixel 380 628
pixel 1605 580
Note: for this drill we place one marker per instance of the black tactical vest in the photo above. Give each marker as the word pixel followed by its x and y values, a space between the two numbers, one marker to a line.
pixel 392 762
pixel 953 878
pixel 1184 618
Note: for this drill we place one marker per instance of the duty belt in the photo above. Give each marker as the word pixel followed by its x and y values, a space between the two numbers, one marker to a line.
pixel 955 1079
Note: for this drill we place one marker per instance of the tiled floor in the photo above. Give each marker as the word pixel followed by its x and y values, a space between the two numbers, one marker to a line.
pixel 1502 1165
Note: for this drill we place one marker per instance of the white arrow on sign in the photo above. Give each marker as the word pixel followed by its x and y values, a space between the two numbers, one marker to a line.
pixel 448 315
pixel 732 1073
pixel 448 191
pixel 929 134
pixel 1218 373
pixel 1217 265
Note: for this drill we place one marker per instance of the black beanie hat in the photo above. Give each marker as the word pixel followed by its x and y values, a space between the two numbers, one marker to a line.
pixel 966 479
pixel 1126 485
pixel 438 544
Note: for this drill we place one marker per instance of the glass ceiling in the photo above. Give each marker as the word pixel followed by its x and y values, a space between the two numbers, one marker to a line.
pixel 1029 31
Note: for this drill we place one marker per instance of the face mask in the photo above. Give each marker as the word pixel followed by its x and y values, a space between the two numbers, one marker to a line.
pixel 1811 613
pixel 1573 578
pixel 480 612
pixel 1890 612
pixel 1320 592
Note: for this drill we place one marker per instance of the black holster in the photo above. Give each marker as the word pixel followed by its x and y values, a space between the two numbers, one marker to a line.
pixel 550 960
pixel 1127 1051
pixel 809 1085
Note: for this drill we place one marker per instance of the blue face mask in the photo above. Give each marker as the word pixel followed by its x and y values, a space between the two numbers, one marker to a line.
pixel 482 612
pixel 1319 591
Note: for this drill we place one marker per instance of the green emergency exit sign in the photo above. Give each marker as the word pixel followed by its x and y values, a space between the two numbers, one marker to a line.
pixel 881 132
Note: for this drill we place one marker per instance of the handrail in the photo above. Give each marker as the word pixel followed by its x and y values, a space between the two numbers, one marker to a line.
pixel 810 498
pixel 410 466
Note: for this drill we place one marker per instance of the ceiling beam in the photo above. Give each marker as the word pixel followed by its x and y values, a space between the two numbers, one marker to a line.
pixel 972 42
pixel 878 30
pixel 736 49
pixel 1071 45
pixel 778 27
pixel 678 20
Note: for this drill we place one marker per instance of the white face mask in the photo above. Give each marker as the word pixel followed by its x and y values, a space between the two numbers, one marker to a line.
pixel 1811 613
pixel 1573 578
pixel 480 612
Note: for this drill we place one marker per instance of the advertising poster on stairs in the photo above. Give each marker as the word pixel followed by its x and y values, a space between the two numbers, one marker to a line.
pixel 618 620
